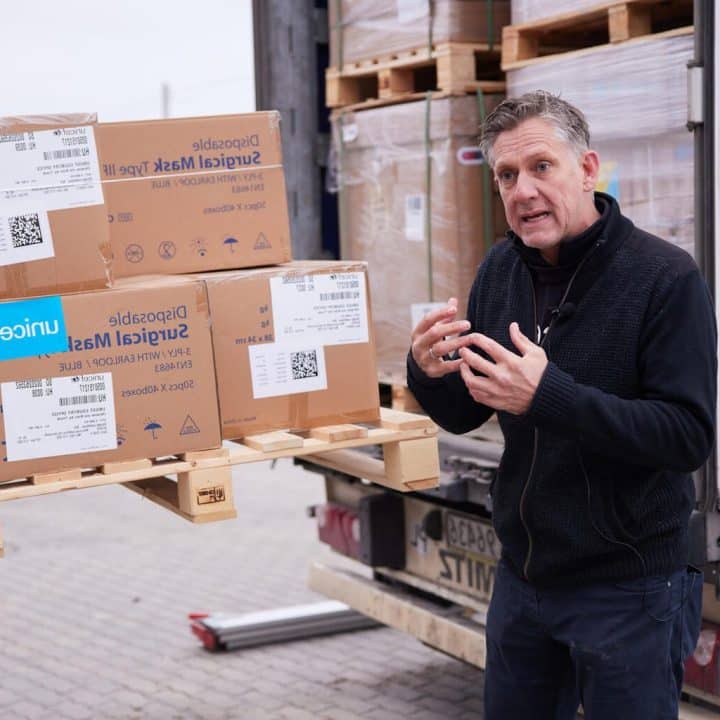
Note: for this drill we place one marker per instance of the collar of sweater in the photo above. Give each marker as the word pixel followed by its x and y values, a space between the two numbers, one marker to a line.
pixel 597 244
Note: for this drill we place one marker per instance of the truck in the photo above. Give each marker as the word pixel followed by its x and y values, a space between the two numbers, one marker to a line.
pixel 424 562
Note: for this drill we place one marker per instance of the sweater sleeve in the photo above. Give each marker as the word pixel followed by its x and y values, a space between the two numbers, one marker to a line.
pixel 671 424
pixel 446 400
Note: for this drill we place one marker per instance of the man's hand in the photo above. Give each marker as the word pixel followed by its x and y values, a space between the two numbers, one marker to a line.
pixel 510 381
pixel 430 342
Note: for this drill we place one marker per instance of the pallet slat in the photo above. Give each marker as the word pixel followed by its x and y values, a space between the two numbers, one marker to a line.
pixel 602 24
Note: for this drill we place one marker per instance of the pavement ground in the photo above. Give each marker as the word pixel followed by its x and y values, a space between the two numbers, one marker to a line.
pixel 96 586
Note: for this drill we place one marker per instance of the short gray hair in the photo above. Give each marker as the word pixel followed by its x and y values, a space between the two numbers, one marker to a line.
pixel 566 118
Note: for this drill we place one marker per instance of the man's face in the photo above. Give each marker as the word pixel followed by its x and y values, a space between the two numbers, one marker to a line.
pixel 546 189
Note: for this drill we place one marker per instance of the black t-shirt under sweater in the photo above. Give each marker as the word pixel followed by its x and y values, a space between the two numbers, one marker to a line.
pixel 551 281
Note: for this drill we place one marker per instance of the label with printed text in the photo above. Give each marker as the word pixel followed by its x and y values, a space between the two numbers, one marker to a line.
pixel 47 417
pixel 328 309
pixel 49 170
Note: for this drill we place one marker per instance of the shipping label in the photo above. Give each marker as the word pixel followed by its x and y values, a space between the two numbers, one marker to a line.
pixel 49 170
pixel 419 310
pixel 415 218
pixel 284 369
pixel 327 309
pixel 55 416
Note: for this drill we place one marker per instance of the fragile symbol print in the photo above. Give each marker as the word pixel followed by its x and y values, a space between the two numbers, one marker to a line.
pixel 189 426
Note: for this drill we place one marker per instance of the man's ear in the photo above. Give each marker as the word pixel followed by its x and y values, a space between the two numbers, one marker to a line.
pixel 590 165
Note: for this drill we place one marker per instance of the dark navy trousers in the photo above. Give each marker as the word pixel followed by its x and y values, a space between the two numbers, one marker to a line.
pixel 616 648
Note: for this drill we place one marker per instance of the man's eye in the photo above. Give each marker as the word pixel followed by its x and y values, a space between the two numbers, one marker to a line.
pixel 506 176
pixel 543 166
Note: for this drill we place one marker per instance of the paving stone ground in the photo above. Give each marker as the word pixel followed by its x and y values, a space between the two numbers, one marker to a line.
pixel 95 590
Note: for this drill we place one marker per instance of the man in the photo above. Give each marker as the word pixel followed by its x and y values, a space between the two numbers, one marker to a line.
pixel 595 344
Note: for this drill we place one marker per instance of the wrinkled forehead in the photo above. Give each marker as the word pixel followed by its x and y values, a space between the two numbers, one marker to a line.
pixel 529 138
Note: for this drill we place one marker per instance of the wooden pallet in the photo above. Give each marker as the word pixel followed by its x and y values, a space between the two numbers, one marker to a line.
pixel 607 22
pixel 452 68
pixel 198 485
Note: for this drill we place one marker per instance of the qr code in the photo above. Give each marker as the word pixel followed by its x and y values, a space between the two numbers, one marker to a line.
pixel 25 230
pixel 304 364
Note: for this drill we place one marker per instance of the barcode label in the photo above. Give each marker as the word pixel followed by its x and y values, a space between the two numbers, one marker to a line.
pixel 415 217
pixel 47 170
pixel 304 364
pixel 60 416
pixel 82 400
pixel 25 237
pixel 65 154
pixel 343 295
pixel 332 310
pixel 277 369
pixel 25 230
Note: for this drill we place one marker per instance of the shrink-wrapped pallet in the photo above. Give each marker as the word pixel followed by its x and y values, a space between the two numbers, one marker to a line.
pixel 364 29
pixel 527 10
pixel 634 96
pixel 416 203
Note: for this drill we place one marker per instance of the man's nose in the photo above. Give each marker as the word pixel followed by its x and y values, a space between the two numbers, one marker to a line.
pixel 525 188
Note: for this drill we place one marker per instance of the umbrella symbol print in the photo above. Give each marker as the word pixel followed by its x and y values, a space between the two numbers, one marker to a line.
pixel 231 242
pixel 152 426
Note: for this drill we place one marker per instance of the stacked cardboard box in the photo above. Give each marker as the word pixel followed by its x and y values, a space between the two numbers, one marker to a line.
pixel 364 29
pixel 635 98
pixel 195 194
pixel 414 201
pixel 53 231
pixel 96 369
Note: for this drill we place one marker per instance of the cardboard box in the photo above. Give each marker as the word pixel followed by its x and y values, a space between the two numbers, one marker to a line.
pixel 365 29
pixel 385 203
pixel 53 227
pixel 119 374
pixel 194 194
pixel 294 347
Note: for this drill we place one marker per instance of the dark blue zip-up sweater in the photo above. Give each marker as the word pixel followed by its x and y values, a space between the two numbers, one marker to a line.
pixel 595 483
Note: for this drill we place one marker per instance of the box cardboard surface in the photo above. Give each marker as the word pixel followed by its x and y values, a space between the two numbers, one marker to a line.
pixel 53 227
pixel 385 204
pixel 193 194
pixel 294 347
pixel 137 380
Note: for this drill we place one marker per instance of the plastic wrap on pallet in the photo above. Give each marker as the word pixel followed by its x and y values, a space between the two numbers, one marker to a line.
pixel 364 29
pixel 526 10
pixel 382 175
pixel 635 98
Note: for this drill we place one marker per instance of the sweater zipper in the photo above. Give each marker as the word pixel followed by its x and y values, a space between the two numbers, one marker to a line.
pixel 536 432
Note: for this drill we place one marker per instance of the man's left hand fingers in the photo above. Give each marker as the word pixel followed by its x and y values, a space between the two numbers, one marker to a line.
pixel 494 349
pixel 520 341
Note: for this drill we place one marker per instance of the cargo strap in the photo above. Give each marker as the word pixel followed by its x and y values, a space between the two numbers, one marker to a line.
pixel 339 33
pixel 428 195
pixel 489 19
pixel 488 219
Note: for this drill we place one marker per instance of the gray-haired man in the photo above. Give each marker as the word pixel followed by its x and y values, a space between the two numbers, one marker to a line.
pixel 595 344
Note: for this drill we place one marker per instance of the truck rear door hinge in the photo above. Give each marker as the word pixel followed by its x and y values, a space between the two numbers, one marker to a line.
pixel 696 104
